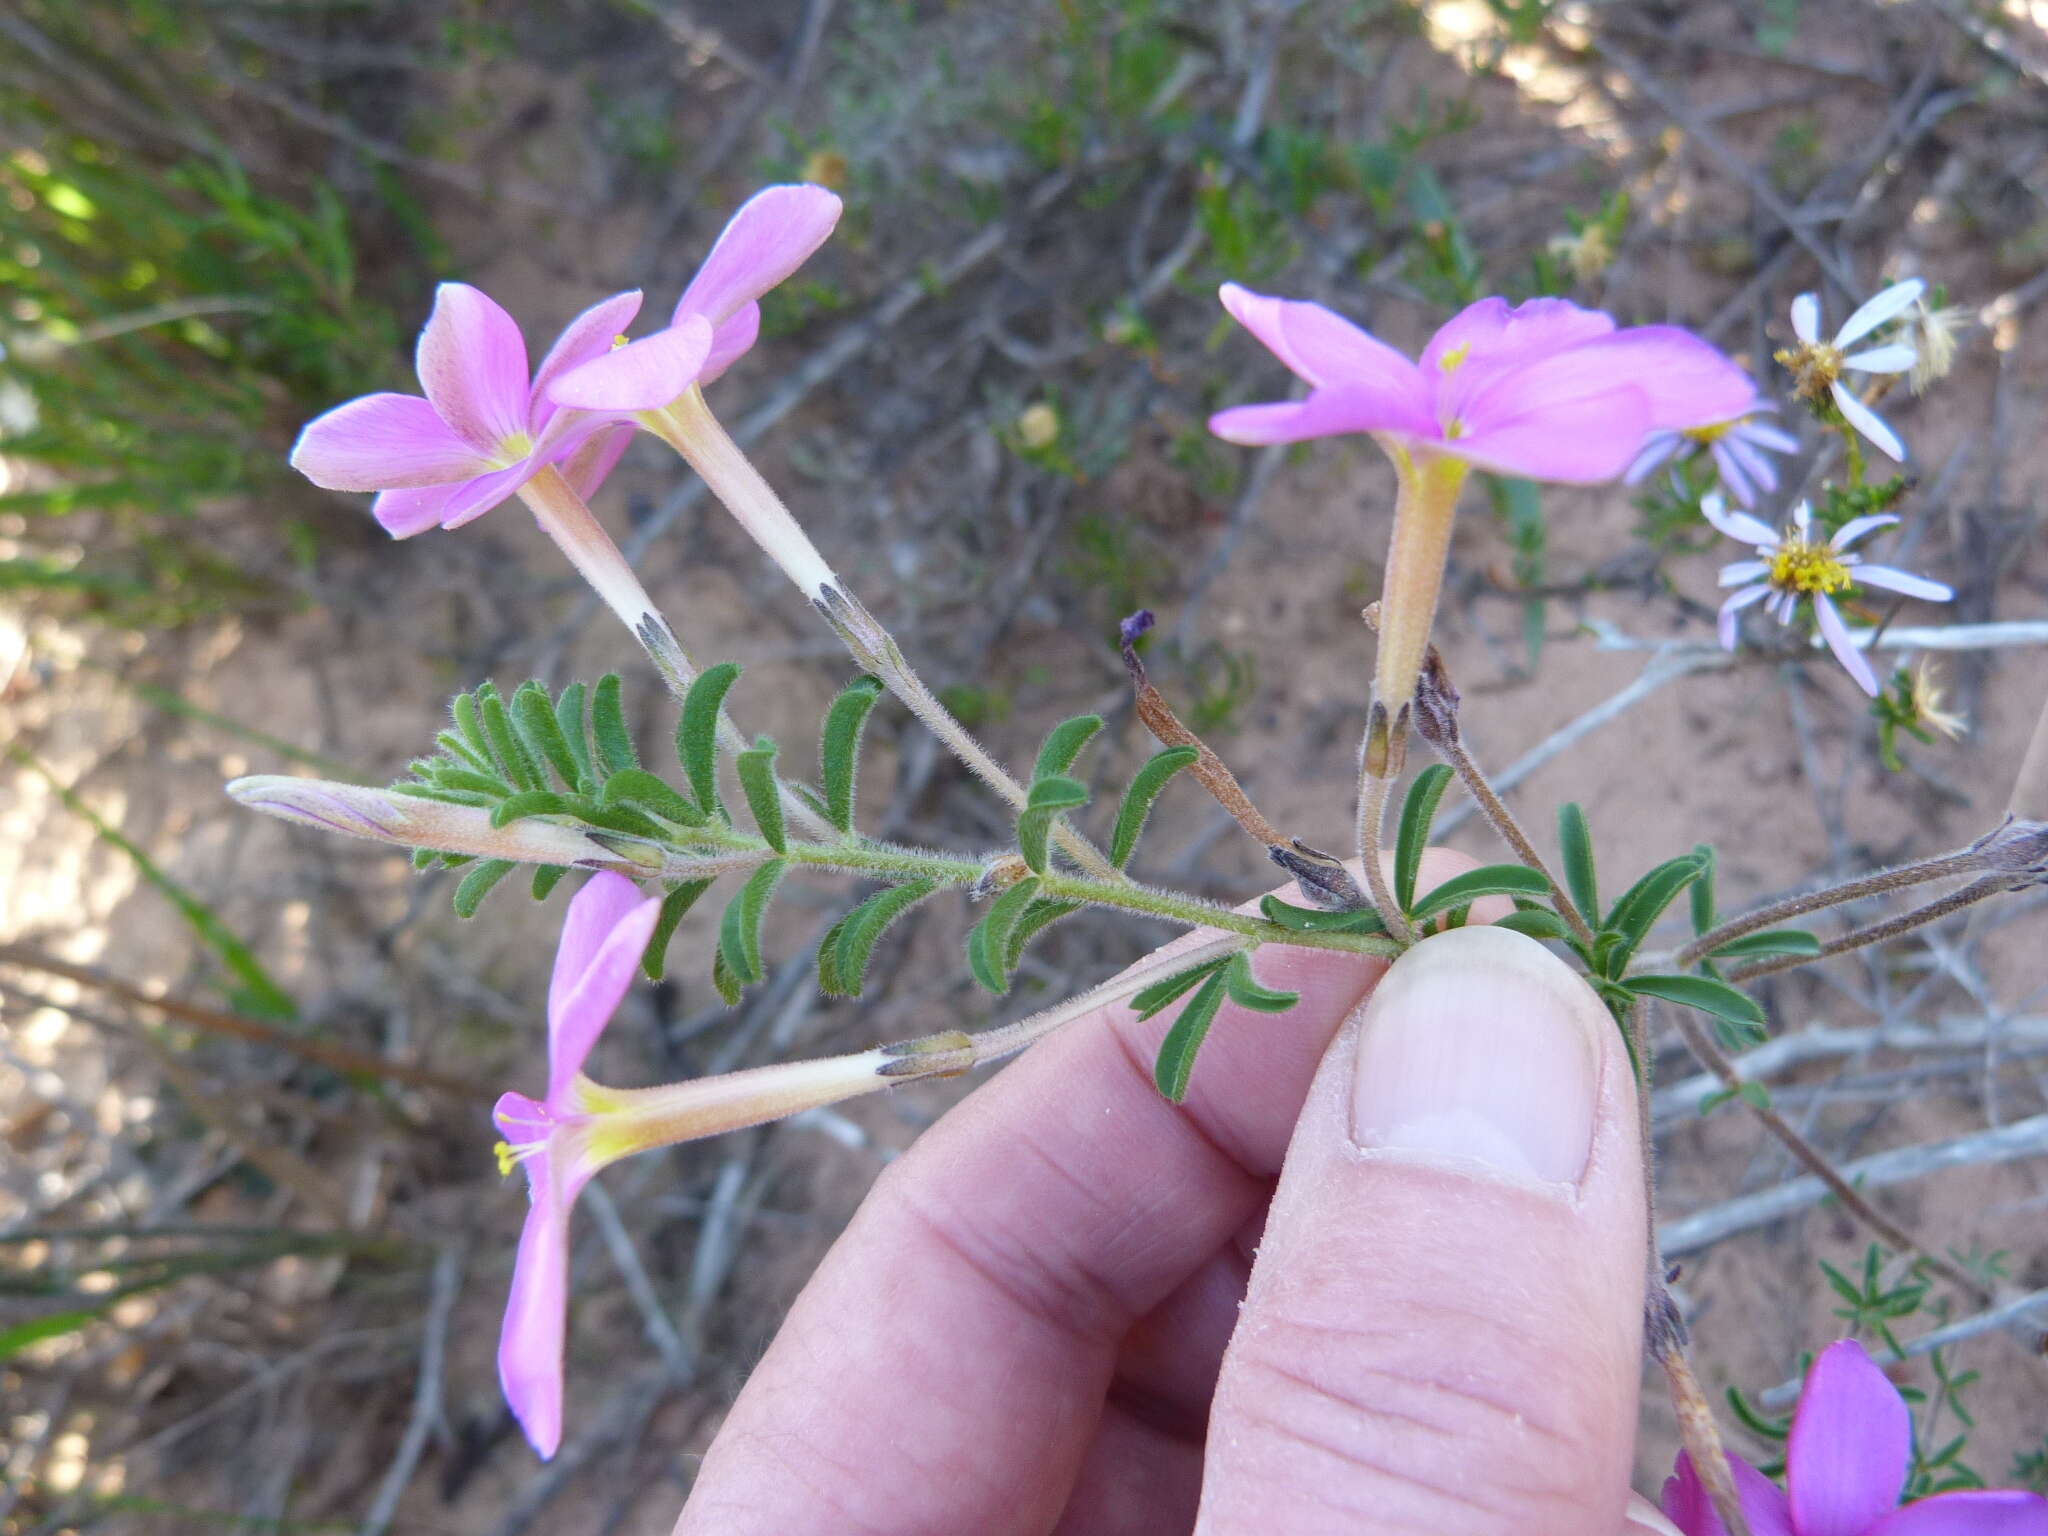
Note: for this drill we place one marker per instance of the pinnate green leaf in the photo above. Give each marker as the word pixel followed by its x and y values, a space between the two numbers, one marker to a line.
pixel 1136 809
pixel 988 942
pixel 1048 798
pixel 615 749
pixel 739 930
pixel 478 883
pixel 1175 1064
pixel 1487 880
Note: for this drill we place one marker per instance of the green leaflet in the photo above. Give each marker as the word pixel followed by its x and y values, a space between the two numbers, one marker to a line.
pixel 1156 997
pixel 608 725
pixel 478 883
pixel 1771 941
pixel 1145 788
pixel 545 878
pixel 1175 1064
pixel 530 802
pixel 1048 798
pixel 756 769
pixel 1643 903
pixel 1040 915
pixel 1536 922
pixel 469 721
pixel 729 986
pixel 739 931
pixel 448 776
pixel 839 747
pixel 1311 920
pixel 1702 892
pixel 569 715
pixel 697 734
pixel 988 942
pixel 1488 880
pixel 844 953
pixel 1575 844
pixel 1418 813
pixel 638 787
pixel 533 720
pixel 1063 743
pixel 1708 996
pixel 1244 990
pixel 520 768
pixel 654 959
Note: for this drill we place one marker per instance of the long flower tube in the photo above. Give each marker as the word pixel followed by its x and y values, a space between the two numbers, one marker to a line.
pixel 579 1127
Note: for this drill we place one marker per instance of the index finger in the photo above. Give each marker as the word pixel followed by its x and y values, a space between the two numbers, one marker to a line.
pixel 945 1368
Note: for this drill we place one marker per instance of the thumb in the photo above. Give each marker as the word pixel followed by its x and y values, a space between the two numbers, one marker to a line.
pixel 1443 1331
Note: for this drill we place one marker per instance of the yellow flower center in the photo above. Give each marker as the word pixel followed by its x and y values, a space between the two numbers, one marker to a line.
pixel 1814 365
pixel 1808 568
pixel 1452 360
pixel 1713 432
pixel 512 449
pixel 1454 429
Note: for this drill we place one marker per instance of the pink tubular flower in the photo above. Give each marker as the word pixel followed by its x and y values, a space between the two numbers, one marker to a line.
pixel 580 1127
pixel 1545 389
pixel 1845 1467
pixel 483 431
pixel 719 316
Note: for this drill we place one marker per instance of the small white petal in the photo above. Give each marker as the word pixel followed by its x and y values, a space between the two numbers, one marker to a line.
pixel 1764 435
pixel 1733 607
pixel 1895 358
pixel 1895 300
pixel 1806 317
pixel 1737 525
pixel 1659 447
pixel 1742 570
pixel 1867 421
pixel 1802 521
pixel 1836 633
pixel 1733 474
pixel 1859 528
pixel 1901 581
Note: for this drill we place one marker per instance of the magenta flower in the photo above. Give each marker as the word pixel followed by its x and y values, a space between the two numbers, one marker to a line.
pixel 580 1127
pixel 1845 1467
pixel 719 316
pixel 1545 389
pixel 484 429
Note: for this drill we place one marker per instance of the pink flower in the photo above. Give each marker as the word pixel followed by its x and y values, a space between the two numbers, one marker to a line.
pixel 484 429
pixel 580 1127
pixel 1545 389
pixel 1845 1467
pixel 719 316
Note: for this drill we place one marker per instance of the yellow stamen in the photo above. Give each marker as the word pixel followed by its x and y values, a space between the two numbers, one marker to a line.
pixel 1714 431
pixel 507 1155
pixel 1451 360
pixel 1814 365
pixel 1808 569
pixel 1453 430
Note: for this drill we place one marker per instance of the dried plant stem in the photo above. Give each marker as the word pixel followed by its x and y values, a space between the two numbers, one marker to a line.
pixel 1963 861
pixel 1696 1427
pixel 1876 933
pixel 1810 1157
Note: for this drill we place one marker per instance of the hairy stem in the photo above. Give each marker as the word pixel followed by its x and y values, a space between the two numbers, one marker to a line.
pixel 1876 933
pixel 1715 1060
pixel 1386 745
pixel 1696 1428
pixel 1503 822
pixel 1961 862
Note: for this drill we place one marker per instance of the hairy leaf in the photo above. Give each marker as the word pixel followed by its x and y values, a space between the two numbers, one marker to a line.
pixel 638 787
pixel 697 734
pixel 533 718
pixel 1157 996
pixel 739 931
pixel 729 986
pixel 1063 743
pixel 1418 813
pixel 615 750
pixel 1644 902
pixel 1175 1064
pixel 1488 880
pixel 756 769
pixel 853 938
pixel 1048 798
pixel 546 877
pixel 520 767
pixel 1702 892
pixel 839 750
pixel 1311 920
pixel 988 942
pixel 1771 941
pixel 1136 809
pixel 569 715
pixel 679 900
pixel 1575 844
pixel 531 802
pixel 1040 915
pixel 477 884
pixel 1245 991
pixel 1708 996
pixel 1536 922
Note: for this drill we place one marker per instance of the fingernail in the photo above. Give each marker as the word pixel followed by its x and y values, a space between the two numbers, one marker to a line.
pixel 1479 1046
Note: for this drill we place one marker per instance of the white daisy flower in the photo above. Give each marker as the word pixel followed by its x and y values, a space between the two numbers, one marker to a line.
pixel 1793 565
pixel 1818 365
pixel 1738 445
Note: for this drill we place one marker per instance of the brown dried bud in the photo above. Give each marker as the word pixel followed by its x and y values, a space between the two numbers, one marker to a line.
pixel 1001 872
pixel 1320 877
pixel 1436 702
pixel 2018 848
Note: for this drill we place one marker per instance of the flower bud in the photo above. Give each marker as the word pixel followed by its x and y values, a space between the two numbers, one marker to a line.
pixel 2018 848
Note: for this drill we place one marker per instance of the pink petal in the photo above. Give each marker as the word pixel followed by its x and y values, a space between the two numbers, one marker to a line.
pixel 1325 413
pixel 589 335
pixel 474 498
pixel 1974 1512
pixel 1686 382
pixel 1323 347
pixel 472 364
pixel 1845 1463
pixel 1902 581
pixel 1559 419
pixel 1495 335
pixel 603 937
pixel 537 1311
pixel 1687 1506
pixel 642 376
pixel 382 443
pixel 586 468
pixel 774 233
pixel 405 513
pixel 731 341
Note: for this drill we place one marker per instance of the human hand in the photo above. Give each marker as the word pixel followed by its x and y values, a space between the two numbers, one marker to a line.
pixel 1074 1307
